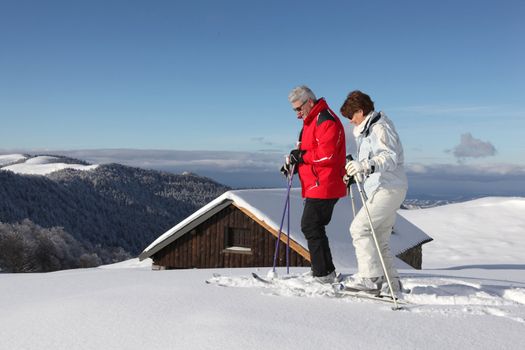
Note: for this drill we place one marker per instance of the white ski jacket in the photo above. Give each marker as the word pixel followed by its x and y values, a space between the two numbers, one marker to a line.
pixel 379 149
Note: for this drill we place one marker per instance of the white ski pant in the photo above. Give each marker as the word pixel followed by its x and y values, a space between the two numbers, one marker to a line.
pixel 382 207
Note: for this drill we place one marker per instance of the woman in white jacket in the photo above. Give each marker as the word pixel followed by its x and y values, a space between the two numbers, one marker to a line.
pixel 379 164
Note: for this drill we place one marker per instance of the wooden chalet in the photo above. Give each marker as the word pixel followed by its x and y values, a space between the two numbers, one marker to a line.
pixel 240 229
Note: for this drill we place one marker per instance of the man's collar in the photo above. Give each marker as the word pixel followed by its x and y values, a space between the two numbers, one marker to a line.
pixel 319 105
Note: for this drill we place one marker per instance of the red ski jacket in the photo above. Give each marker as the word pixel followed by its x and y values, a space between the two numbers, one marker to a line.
pixel 323 139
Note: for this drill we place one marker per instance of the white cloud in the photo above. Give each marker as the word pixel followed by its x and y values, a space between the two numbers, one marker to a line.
pixel 261 169
pixel 470 147
pixel 473 170
pixel 181 160
pixel 417 168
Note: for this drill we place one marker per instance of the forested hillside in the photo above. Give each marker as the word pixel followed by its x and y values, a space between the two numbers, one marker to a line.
pixel 106 214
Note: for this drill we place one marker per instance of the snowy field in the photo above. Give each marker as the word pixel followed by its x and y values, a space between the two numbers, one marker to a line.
pixel 11 158
pixel 470 295
pixel 39 165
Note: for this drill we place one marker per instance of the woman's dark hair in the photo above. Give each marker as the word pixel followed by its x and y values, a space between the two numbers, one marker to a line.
pixel 355 101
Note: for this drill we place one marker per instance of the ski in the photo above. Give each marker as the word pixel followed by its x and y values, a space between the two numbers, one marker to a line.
pixel 261 279
pixel 272 281
pixel 362 295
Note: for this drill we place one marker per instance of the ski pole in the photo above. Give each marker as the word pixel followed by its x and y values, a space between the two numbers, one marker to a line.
pixel 396 307
pixel 288 239
pixel 352 199
pixel 286 206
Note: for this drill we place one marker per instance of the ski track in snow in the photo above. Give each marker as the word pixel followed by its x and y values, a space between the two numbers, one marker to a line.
pixel 428 295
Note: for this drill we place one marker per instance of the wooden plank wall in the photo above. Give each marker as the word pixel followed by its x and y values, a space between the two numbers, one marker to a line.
pixel 203 247
pixel 413 257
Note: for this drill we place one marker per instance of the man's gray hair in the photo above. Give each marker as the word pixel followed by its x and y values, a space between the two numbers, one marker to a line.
pixel 301 93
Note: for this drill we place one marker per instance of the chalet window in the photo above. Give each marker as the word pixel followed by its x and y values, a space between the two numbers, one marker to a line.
pixel 238 240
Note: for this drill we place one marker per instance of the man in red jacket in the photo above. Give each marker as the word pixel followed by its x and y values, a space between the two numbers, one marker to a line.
pixel 320 161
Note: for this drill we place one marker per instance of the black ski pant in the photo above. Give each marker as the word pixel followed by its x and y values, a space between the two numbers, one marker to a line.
pixel 317 213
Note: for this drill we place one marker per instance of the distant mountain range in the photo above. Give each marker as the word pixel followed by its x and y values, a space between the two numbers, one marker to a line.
pixel 75 214
pixel 414 203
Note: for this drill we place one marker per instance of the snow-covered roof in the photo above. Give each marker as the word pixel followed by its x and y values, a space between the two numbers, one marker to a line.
pixel 267 206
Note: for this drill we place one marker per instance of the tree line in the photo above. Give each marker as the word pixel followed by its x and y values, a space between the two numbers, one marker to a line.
pixel 27 247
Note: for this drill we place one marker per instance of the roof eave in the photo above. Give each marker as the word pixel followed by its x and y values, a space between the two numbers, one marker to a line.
pixel 181 231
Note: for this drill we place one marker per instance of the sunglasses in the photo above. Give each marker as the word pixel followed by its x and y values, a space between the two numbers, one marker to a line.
pixel 297 109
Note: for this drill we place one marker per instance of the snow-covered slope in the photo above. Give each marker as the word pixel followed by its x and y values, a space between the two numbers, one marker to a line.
pixel 6 159
pixel 129 306
pixel 480 232
pixel 39 165
pixel 139 308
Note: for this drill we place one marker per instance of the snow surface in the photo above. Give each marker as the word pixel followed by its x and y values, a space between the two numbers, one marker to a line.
pixel 10 158
pixel 40 165
pixel 481 232
pixel 129 306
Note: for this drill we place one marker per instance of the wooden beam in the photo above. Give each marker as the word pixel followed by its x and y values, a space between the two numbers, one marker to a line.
pixel 293 244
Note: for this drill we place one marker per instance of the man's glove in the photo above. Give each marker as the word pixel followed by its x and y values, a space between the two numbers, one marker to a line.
pixel 296 157
pixel 285 170
pixel 348 180
pixel 292 160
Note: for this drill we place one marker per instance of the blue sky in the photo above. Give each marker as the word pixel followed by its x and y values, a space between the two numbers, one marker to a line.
pixel 214 75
